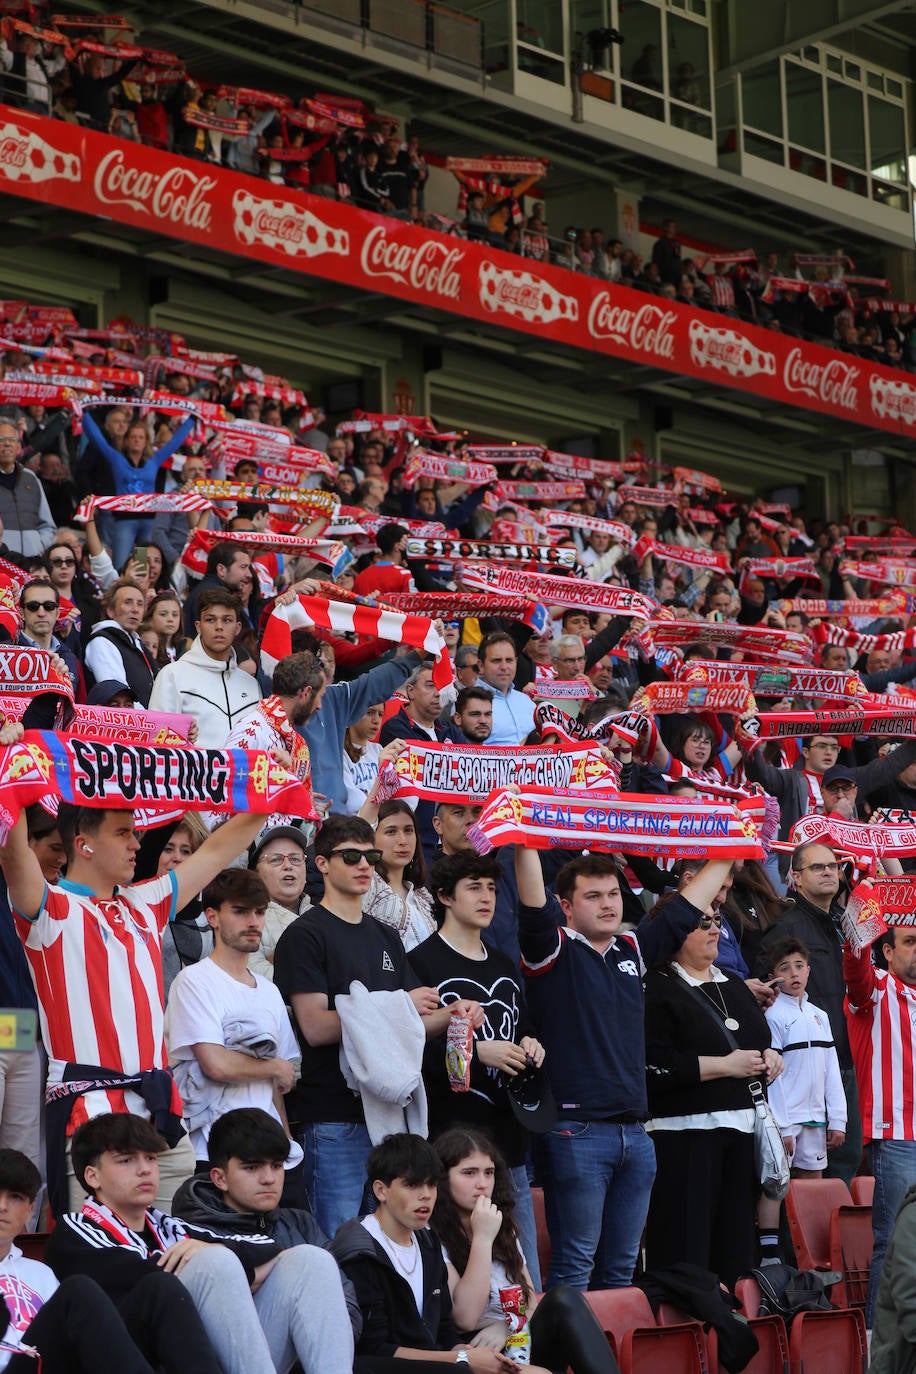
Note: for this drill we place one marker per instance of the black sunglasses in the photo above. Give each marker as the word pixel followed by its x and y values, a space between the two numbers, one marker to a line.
pixel 33 606
pixel 352 857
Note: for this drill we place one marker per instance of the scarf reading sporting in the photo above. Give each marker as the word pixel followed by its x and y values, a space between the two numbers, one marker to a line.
pixel 551 689
pixel 461 549
pixel 899 604
pixel 462 606
pixel 862 644
pixel 853 721
pixel 561 591
pixel 647 496
pixel 348 618
pixel 893 572
pixel 328 551
pixel 851 837
pixel 756 639
pixel 668 698
pixel 27 671
pixel 422 464
pixel 629 822
pixel 777 568
pixel 770 682
pixel 143 502
pixel 467 774
pixel 132 776
pixel 567 519
pixel 504 453
pixel 540 491
pixel 319 502
pixel 673 553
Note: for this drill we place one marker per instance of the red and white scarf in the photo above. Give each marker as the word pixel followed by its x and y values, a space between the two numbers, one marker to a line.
pixel 560 591
pixel 567 519
pixel 451 549
pixel 540 491
pixel 896 642
pixel 347 618
pixel 763 680
pixel 674 553
pixel 422 464
pixel 467 774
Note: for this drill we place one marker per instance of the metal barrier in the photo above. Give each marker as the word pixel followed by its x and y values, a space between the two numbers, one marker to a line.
pixel 425 24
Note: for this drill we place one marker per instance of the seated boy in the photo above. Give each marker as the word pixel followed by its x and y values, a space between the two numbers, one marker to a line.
pixel 182 1290
pixel 395 1264
pixel 69 1324
pixel 308 1298
pixel 807 1098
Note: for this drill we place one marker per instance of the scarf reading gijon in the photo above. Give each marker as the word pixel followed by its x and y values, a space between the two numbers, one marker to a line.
pixel 628 822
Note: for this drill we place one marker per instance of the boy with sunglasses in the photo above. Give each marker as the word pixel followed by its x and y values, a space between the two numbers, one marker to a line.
pixel 317 958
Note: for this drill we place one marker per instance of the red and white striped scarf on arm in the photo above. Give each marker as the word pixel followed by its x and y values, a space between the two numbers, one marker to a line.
pixel 345 618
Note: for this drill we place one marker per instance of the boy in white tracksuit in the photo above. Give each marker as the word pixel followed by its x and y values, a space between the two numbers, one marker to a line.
pixel 807 1099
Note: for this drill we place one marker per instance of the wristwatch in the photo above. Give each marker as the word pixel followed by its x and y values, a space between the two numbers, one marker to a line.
pixel 462 1357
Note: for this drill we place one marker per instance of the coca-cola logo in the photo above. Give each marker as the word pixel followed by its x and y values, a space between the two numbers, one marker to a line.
pixel 284 227
pixel 13 152
pixel 178 194
pixel 893 398
pixel 426 266
pixel 833 382
pixel 522 295
pixel 648 329
pixel 728 351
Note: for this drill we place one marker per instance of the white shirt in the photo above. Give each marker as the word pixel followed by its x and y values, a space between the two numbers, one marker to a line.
pixel 203 1002
pixel 407 1260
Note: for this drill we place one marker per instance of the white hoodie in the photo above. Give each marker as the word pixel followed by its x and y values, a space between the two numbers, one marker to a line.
pixel 218 695
pixel 809 1091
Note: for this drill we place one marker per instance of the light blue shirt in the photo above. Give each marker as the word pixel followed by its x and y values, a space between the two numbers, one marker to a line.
pixel 513 715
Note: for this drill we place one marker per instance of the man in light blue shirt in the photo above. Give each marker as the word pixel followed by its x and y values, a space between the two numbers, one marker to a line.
pixel 513 712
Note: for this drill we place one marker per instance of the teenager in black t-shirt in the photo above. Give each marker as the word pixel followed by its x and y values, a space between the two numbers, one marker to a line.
pixel 461 966
pixel 317 958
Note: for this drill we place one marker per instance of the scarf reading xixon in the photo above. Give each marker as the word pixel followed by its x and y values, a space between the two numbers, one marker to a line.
pixel 130 777
pixel 543 818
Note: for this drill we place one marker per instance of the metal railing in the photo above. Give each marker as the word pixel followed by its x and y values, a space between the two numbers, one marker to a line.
pixel 423 24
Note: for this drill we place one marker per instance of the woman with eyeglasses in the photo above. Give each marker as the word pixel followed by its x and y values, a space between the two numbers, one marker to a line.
pixel 701 1114
pixel 701 750
pixel 397 895
pixel 279 859
pixel 63 564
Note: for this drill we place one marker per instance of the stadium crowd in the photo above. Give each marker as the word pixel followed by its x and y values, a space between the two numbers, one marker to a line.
pixel 588 761
pixel 340 148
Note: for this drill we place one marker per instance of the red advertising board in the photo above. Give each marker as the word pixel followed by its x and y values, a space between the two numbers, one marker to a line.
pixel 82 170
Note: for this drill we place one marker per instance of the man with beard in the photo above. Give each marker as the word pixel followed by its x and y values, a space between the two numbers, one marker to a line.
pixel 229 1037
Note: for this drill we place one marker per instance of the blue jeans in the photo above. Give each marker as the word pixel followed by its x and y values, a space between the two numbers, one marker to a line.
pixel 893 1163
pixel 125 536
pixel 335 1172
pixel 597 1179
pixel 524 1220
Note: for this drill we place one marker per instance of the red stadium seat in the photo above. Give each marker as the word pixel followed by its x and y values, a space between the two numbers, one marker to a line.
pixel 828 1341
pixel 808 1207
pixel 851 1244
pixel 543 1235
pixel 642 1347
pixel 862 1189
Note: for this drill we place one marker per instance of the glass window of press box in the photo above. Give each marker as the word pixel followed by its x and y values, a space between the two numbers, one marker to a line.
pixel 661 68
pixel 826 115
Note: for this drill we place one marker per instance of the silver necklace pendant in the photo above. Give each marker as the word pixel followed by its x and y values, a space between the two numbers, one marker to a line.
pixel 731 1024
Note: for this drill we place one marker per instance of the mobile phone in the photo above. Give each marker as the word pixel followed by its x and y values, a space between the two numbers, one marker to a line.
pixel 18 1029
pixel 776 983
pixel 140 557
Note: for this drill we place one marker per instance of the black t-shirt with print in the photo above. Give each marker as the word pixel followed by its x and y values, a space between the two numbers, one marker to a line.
pixel 496 984
pixel 320 952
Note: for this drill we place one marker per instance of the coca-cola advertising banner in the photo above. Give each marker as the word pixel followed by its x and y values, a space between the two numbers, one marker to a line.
pixel 82 170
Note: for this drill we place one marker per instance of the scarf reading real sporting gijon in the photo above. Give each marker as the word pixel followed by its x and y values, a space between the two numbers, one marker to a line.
pixel 129 777
pixel 467 774
pixel 629 822
pixel 347 618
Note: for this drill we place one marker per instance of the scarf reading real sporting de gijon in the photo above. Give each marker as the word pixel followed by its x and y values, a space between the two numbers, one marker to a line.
pixel 467 774
pixel 132 777
pixel 543 818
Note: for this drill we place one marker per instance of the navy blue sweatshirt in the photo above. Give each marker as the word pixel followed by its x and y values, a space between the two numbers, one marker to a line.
pixel 588 1008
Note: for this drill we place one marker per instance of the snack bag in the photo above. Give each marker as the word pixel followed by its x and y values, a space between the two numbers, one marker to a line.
pixel 459 1048
pixel 518 1344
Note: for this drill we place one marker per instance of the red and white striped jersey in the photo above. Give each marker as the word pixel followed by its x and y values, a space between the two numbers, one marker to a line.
pixel 881 1018
pixel 97 969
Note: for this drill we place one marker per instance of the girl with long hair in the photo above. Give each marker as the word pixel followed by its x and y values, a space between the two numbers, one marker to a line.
pixel 397 895
pixel 473 1218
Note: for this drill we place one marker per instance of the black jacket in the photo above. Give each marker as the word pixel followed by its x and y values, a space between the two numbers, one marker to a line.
pixel 390 1316
pixel 826 988
pixel 200 1201
pixel 138 673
